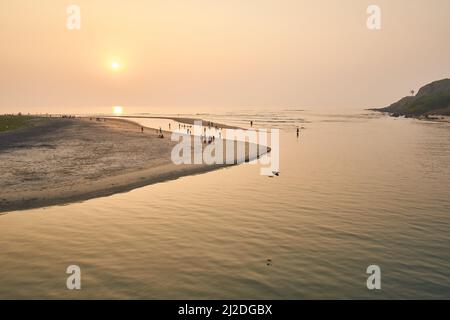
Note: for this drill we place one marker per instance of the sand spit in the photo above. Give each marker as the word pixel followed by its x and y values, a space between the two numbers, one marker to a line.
pixel 60 161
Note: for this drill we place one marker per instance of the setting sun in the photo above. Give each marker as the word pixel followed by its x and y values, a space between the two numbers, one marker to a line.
pixel 117 110
pixel 115 65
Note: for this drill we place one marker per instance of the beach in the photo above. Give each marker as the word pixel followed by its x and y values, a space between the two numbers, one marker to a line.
pixel 62 160
pixel 336 208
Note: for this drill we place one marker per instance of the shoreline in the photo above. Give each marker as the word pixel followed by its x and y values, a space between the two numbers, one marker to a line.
pixel 431 117
pixel 62 161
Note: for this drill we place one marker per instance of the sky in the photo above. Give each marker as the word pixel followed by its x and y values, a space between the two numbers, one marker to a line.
pixel 204 54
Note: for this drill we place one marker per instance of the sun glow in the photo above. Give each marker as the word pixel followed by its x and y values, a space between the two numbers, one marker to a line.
pixel 118 110
pixel 115 65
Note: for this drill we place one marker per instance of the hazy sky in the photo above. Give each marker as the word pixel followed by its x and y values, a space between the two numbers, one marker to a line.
pixel 219 53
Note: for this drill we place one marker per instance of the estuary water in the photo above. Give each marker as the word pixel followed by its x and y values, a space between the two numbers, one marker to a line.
pixel 355 189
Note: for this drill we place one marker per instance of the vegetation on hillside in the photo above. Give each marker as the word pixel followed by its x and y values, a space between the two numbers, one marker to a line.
pixel 432 99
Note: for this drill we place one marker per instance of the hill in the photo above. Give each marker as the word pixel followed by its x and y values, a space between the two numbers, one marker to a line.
pixel 432 99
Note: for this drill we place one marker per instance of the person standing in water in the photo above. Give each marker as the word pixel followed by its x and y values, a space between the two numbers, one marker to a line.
pixel 298 132
pixel 142 129
pixel 251 123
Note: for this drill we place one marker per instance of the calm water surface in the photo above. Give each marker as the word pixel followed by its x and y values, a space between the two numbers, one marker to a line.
pixel 355 189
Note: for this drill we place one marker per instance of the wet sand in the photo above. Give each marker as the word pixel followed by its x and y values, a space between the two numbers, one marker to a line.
pixel 59 161
pixel 189 121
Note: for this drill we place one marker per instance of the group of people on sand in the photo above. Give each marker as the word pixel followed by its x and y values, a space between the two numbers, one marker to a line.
pixel 205 138
pixel 188 128
pixel 159 132
pixel 184 126
pixel 210 135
